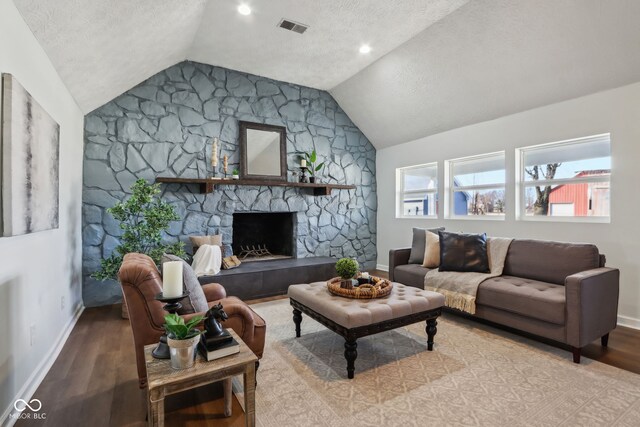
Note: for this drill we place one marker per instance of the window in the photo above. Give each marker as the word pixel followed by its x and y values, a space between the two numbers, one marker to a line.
pixel 417 191
pixel 568 179
pixel 476 186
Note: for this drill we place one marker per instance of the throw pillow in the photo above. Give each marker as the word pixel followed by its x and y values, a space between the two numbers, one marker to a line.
pixel 432 250
pixel 463 252
pixel 196 301
pixel 418 244
pixel 198 241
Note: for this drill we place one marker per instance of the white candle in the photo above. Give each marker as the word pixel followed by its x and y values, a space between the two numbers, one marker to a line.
pixel 172 279
pixel 303 163
pixel 214 153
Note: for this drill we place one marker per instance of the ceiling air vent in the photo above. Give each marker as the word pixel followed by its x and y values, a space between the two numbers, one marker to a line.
pixel 293 26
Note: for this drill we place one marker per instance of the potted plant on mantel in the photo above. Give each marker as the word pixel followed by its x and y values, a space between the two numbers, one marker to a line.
pixel 182 339
pixel 346 269
pixel 235 174
pixel 312 158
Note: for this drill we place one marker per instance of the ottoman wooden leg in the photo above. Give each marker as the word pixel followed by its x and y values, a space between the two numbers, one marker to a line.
pixel 432 330
pixel 297 319
pixel 350 353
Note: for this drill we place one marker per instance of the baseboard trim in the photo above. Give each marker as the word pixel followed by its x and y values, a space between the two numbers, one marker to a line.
pixel 382 267
pixel 629 322
pixel 33 382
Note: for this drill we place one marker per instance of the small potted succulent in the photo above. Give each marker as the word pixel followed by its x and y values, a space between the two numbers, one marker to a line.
pixel 346 269
pixel 312 167
pixel 182 339
pixel 235 174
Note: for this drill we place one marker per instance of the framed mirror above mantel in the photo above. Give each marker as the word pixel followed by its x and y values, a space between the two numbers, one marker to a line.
pixel 263 152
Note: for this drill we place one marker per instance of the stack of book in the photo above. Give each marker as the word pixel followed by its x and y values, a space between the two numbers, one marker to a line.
pixel 213 348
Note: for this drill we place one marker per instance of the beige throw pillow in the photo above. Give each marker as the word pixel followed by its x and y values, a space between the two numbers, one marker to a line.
pixel 432 250
pixel 198 241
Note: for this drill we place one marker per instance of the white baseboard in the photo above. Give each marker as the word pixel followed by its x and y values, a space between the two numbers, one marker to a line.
pixel 382 267
pixel 34 381
pixel 629 322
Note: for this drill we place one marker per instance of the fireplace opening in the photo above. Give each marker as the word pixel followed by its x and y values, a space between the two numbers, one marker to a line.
pixel 260 236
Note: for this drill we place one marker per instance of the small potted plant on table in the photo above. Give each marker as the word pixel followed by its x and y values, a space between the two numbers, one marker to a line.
pixel 182 339
pixel 346 269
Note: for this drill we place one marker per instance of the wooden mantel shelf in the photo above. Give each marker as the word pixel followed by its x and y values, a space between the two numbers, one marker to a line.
pixel 207 185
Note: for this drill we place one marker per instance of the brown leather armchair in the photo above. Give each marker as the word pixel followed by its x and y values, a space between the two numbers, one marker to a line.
pixel 141 282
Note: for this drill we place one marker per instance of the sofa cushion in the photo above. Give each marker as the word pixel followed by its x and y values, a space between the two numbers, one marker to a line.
pixel 540 300
pixel 549 261
pixel 198 241
pixel 418 244
pixel 410 275
pixel 463 252
pixel 431 250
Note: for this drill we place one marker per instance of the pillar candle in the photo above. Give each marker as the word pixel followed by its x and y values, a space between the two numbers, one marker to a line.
pixel 303 163
pixel 214 153
pixel 225 163
pixel 172 279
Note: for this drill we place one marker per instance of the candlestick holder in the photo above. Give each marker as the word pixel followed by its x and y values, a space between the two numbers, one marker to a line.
pixel 172 306
pixel 303 176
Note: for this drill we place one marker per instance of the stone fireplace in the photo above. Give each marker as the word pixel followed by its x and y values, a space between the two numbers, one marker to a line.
pixel 263 235
pixel 164 128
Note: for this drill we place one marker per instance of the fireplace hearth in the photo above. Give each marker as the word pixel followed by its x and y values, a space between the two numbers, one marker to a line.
pixel 259 236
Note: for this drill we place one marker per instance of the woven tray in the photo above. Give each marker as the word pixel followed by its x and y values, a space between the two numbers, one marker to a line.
pixel 378 289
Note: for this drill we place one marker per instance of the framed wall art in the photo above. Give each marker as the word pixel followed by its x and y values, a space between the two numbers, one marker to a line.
pixel 30 163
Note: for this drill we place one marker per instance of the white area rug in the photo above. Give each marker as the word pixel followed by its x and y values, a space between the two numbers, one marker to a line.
pixel 476 376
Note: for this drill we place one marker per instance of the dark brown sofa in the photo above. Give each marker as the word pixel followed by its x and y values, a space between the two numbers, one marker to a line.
pixel 560 291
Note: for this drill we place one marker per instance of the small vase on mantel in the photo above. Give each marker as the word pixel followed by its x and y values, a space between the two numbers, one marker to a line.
pixel 312 179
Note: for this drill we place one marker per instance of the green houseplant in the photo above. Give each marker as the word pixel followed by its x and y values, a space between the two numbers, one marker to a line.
pixel 182 339
pixel 143 217
pixel 312 167
pixel 347 269
pixel 235 174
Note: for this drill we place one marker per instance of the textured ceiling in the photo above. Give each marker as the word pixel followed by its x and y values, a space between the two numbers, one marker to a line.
pixel 102 48
pixel 491 58
pixel 327 53
pixel 435 65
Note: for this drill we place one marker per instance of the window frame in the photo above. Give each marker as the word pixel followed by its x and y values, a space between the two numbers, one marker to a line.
pixel 522 184
pixel 451 189
pixel 400 191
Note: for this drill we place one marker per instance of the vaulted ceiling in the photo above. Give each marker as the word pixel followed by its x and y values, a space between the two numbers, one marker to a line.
pixel 102 48
pixel 492 58
pixel 435 64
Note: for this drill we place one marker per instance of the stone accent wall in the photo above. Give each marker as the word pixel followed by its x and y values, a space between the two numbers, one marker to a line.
pixel 164 127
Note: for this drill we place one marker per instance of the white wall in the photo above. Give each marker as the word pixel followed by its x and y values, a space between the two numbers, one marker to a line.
pixel 38 270
pixel 616 111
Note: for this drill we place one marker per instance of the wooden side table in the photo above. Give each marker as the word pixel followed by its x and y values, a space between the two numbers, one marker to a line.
pixel 162 380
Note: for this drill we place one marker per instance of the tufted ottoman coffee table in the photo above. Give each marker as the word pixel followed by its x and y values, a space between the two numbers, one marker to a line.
pixel 355 318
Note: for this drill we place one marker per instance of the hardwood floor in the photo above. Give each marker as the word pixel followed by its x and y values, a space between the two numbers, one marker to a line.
pixel 94 380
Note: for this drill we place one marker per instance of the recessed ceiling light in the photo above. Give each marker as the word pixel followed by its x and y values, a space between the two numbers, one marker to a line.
pixel 365 48
pixel 244 9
